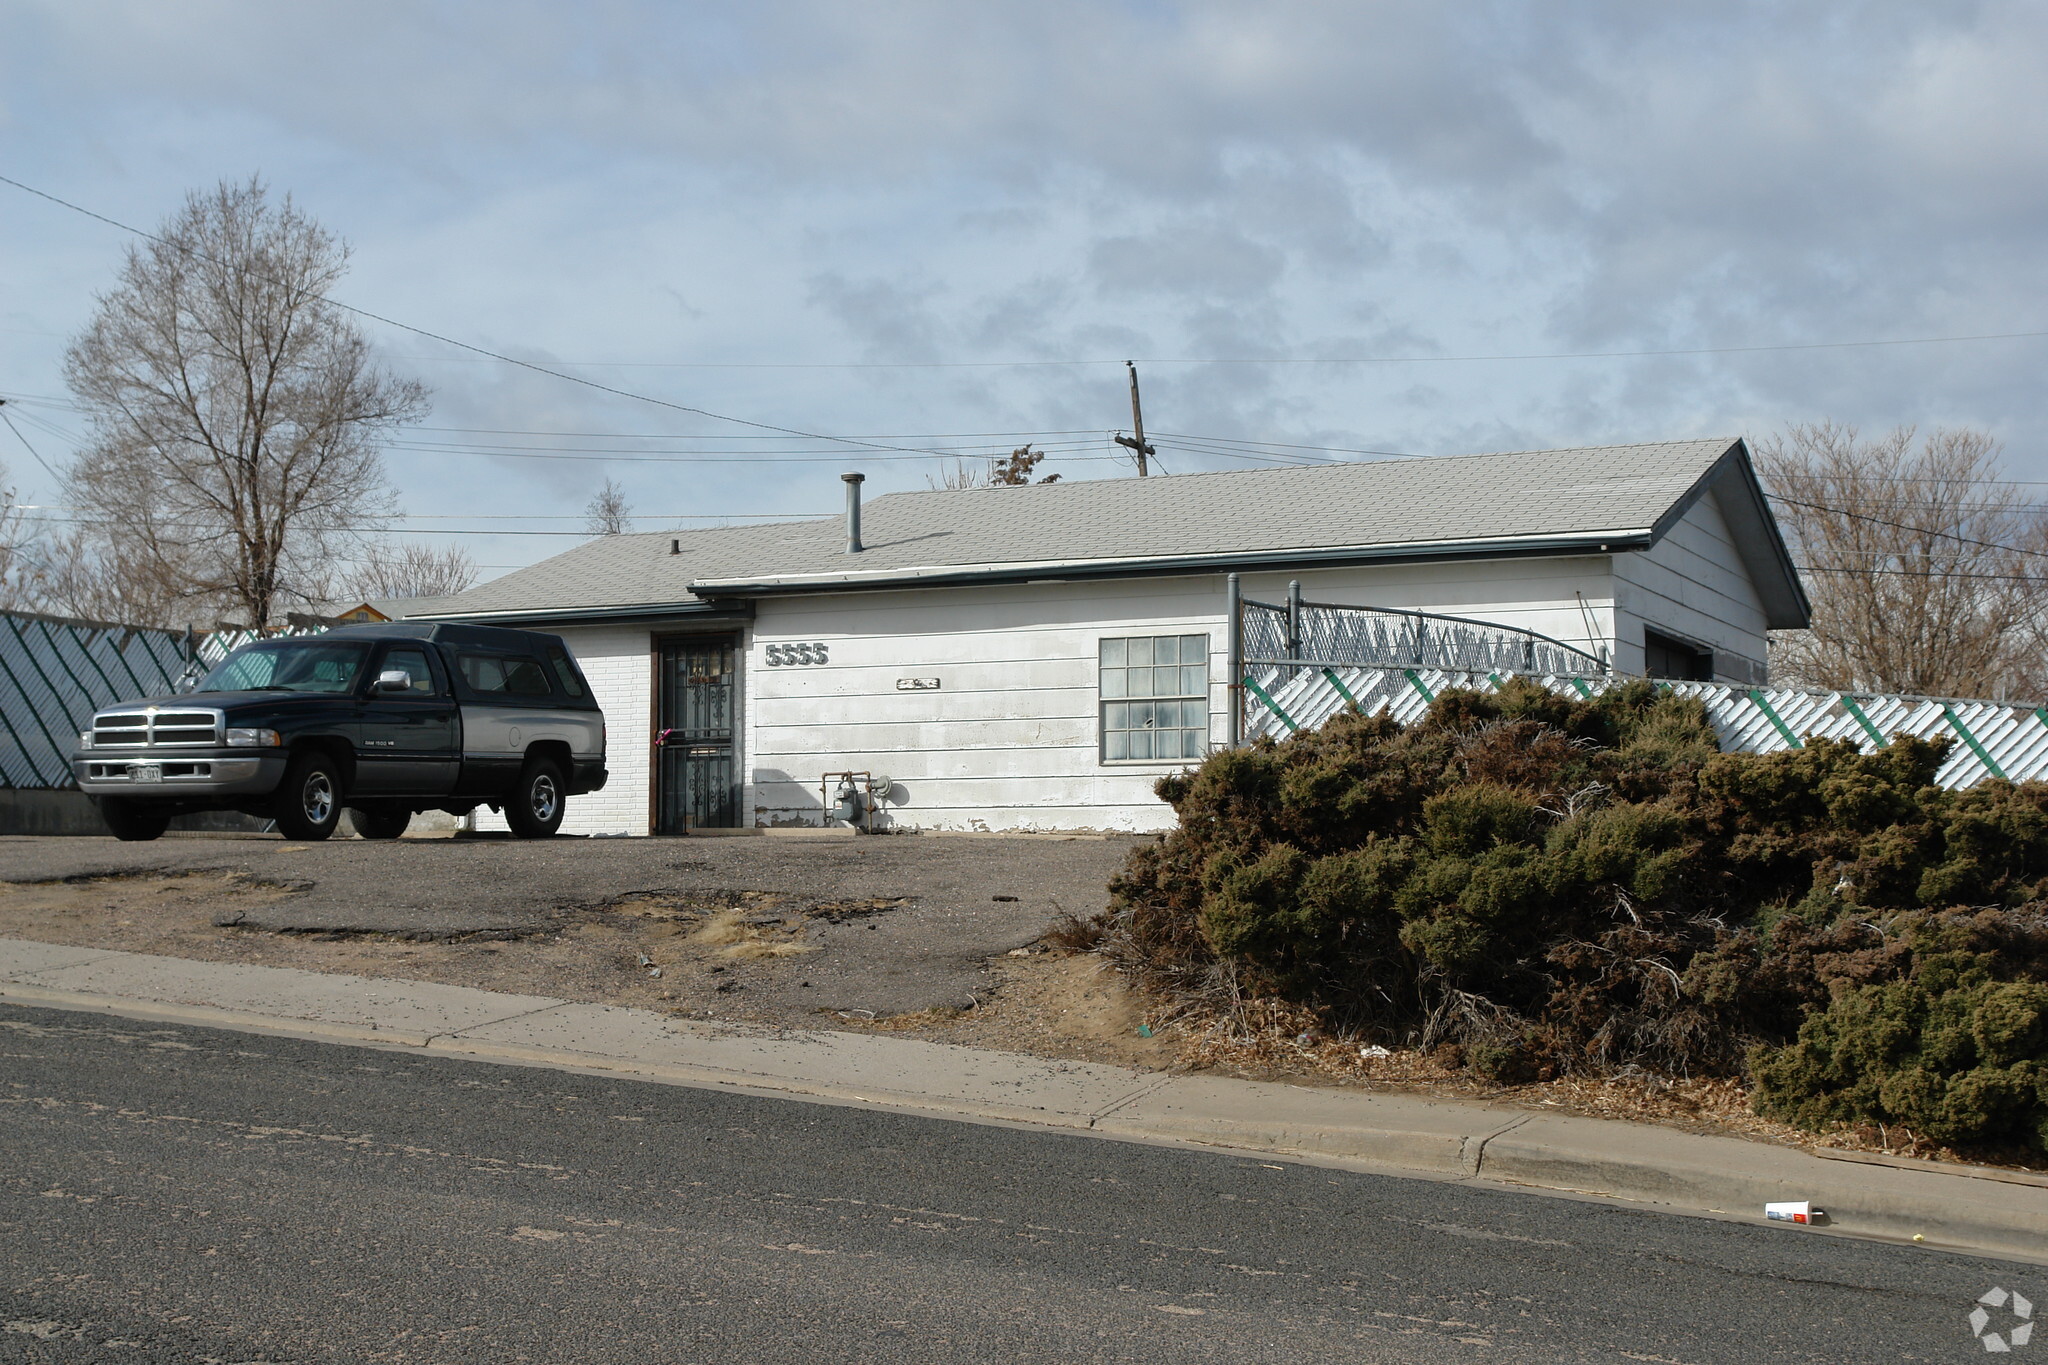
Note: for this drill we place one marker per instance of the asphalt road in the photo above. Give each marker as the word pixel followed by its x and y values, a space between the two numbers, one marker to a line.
pixel 171 1194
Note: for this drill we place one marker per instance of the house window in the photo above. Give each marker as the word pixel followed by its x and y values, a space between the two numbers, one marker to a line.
pixel 1155 698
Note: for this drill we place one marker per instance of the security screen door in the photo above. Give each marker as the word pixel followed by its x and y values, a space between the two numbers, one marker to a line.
pixel 697 708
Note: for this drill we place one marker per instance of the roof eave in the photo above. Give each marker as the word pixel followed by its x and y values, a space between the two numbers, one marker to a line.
pixel 949 575
pixel 617 615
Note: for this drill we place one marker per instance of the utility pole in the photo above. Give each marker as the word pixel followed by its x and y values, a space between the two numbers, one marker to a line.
pixel 1136 444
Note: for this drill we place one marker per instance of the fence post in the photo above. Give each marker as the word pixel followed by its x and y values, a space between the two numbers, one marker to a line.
pixel 1293 619
pixel 1234 637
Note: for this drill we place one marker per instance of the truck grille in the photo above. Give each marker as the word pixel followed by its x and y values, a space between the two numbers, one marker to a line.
pixel 141 729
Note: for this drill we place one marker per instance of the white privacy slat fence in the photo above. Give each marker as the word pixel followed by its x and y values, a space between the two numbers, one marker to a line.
pixel 1988 739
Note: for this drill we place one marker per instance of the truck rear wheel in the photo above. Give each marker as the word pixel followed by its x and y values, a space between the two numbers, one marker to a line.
pixel 130 823
pixel 379 823
pixel 536 806
pixel 309 798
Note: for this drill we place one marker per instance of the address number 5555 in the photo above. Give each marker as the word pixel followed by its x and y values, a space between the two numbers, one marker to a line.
pixel 787 656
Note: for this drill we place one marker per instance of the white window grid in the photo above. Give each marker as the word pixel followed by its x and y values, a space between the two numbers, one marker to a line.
pixel 1154 698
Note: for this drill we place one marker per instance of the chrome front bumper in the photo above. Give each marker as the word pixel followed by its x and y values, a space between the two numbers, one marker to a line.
pixel 184 775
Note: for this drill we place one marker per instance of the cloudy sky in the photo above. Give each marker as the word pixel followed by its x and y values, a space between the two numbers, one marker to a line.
pixel 935 226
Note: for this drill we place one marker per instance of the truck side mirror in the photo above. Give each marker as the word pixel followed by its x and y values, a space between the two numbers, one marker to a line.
pixel 394 680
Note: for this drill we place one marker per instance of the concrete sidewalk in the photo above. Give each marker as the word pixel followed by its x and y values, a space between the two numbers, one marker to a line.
pixel 1967 1209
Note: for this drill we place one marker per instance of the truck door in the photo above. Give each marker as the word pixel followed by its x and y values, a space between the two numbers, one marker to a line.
pixel 409 745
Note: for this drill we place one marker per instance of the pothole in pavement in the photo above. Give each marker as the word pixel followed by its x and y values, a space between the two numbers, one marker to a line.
pixel 734 924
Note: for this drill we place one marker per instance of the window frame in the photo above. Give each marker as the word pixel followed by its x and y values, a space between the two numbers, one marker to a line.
pixel 1103 701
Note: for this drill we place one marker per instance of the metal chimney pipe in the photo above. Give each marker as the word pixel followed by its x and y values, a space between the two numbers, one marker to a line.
pixel 853 483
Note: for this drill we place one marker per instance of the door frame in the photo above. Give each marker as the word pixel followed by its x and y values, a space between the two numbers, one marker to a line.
pixel 657 644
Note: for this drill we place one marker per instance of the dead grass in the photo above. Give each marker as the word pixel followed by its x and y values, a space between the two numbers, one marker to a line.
pixel 735 935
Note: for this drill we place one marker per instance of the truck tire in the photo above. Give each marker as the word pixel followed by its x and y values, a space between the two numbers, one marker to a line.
pixel 309 798
pixel 381 823
pixel 130 823
pixel 535 808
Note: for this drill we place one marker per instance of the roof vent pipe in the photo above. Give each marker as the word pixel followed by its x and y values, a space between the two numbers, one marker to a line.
pixel 853 483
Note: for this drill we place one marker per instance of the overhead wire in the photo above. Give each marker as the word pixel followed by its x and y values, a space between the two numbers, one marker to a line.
pixel 1477 358
pixel 1904 526
pixel 468 346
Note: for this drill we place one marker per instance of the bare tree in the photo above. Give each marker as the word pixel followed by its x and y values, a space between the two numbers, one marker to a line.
pixel 608 513
pixel 235 413
pixel 21 586
pixel 82 574
pixel 1014 470
pixel 411 570
pixel 960 475
pixel 1927 574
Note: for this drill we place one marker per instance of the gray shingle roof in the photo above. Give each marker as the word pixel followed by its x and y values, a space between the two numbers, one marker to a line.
pixel 1534 500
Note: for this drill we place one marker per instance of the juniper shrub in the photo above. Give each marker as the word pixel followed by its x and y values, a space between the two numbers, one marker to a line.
pixel 1556 884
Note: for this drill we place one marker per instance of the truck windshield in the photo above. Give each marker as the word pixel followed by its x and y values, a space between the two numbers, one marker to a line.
pixel 288 666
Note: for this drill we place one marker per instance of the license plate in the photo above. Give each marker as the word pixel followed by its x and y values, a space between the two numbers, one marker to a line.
pixel 145 772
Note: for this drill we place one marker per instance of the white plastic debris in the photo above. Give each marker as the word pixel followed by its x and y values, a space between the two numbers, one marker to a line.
pixel 1374 1051
pixel 1793 1211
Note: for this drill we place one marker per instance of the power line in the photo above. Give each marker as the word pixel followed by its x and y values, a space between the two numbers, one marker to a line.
pixel 1925 573
pixel 464 345
pixel 605 457
pixel 1274 360
pixel 1902 526
pixel 672 436
pixel 4 417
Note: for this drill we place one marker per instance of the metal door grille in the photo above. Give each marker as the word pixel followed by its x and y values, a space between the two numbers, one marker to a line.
pixel 697 783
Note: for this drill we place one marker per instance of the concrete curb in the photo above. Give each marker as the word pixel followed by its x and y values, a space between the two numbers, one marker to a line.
pixel 1991 1212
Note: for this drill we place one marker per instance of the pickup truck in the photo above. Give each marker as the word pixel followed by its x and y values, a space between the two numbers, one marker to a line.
pixel 383 721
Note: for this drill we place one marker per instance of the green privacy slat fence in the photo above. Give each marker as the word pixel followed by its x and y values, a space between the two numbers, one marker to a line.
pixel 54 673
pixel 1987 738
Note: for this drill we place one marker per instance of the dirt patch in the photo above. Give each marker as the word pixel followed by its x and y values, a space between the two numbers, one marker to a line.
pixel 1052 1005
pixel 725 953
pixel 139 914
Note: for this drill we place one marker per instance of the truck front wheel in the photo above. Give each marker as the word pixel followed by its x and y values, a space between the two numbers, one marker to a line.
pixel 132 824
pixel 535 808
pixel 309 798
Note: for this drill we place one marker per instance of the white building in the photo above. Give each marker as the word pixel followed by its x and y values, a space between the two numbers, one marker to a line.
pixel 982 647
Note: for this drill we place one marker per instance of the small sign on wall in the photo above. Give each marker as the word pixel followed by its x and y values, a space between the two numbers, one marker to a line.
pixel 917 684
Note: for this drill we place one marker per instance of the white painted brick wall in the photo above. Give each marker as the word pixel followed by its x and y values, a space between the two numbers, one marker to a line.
pixel 615 660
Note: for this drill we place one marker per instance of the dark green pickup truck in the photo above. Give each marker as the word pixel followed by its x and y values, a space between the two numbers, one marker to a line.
pixel 383 721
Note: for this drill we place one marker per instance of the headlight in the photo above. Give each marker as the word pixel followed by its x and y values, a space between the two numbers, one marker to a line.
pixel 85 739
pixel 253 739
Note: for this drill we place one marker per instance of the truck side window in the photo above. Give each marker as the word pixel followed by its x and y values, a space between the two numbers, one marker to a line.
pixel 524 678
pixel 572 683
pixel 412 663
pixel 483 673
pixel 503 676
